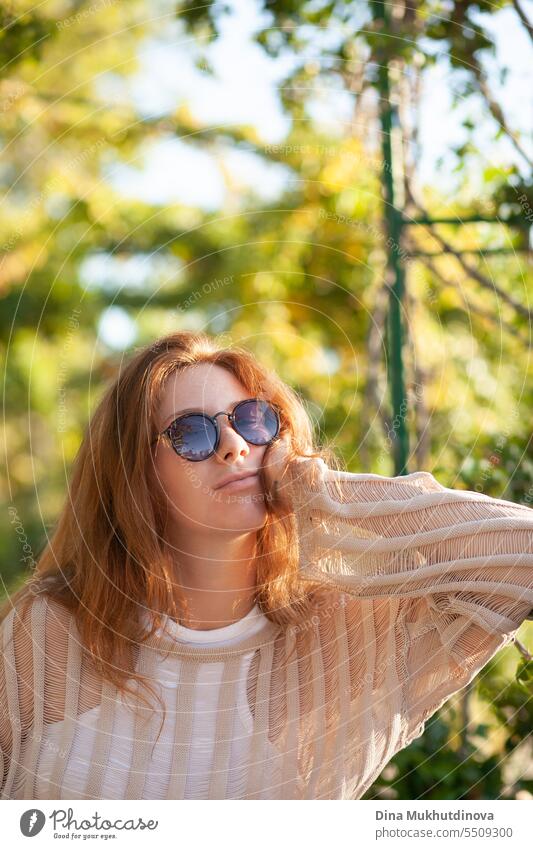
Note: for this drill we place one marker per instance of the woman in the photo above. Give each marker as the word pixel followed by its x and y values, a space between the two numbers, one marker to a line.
pixel 282 636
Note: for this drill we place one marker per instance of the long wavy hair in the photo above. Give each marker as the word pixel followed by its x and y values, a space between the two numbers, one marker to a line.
pixel 107 559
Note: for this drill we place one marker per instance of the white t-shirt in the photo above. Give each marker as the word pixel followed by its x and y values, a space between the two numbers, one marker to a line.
pixel 206 695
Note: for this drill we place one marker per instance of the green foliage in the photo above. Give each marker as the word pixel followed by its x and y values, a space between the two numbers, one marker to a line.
pixel 306 274
pixel 431 769
pixel 524 675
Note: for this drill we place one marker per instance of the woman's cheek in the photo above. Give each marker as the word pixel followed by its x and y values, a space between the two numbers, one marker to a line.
pixel 191 496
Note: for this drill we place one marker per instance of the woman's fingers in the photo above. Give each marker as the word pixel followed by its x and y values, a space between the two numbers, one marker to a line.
pixel 275 460
pixel 281 468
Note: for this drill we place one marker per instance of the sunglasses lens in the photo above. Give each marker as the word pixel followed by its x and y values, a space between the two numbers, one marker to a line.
pixel 193 437
pixel 257 422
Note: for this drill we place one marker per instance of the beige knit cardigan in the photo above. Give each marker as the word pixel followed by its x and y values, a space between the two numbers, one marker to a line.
pixel 422 584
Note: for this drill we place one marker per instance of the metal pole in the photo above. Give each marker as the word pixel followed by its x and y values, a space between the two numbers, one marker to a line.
pixel 395 270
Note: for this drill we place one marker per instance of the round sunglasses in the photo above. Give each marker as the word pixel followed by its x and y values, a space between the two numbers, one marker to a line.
pixel 196 436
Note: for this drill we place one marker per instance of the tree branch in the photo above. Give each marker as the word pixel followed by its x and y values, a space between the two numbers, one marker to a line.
pixel 496 110
pixel 420 376
pixel 470 270
pixel 522 649
pixel 468 306
pixel 374 343
pixel 522 15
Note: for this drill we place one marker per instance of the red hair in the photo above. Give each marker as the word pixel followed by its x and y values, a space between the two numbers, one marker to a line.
pixel 107 559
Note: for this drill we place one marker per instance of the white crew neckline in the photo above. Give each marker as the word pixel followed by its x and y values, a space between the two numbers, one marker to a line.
pixel 248 625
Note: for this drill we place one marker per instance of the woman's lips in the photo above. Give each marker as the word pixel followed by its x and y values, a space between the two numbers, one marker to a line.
pixel 243 483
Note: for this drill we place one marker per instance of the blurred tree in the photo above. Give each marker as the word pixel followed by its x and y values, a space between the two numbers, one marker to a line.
pixel 299 277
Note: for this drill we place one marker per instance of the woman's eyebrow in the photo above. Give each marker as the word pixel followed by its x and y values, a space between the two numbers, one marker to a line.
pixel 175 415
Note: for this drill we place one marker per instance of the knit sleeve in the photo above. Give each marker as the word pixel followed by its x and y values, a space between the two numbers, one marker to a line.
pixel 33 671
pixel 453 567
pixel 16 679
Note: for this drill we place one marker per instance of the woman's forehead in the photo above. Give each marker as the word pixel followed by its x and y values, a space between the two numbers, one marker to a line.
pixel 203 387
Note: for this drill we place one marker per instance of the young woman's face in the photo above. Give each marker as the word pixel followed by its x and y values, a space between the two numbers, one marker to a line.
pixel 196 502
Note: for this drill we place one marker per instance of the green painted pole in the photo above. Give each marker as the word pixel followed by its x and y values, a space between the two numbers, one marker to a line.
pixel 395 269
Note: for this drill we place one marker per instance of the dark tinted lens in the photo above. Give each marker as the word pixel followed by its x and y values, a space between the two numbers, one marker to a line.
pixel 257 422
pixel 193 437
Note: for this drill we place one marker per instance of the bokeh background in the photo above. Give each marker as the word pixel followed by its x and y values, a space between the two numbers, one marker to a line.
pixel 219 166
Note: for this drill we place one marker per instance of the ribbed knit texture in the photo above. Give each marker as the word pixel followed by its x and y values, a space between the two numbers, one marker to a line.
pixel 421 585
pixel 204 698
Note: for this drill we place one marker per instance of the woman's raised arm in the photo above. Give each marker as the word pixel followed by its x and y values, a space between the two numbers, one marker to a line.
pixel 447 574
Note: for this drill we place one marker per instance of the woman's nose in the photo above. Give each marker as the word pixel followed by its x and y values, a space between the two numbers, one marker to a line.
pixel 230 440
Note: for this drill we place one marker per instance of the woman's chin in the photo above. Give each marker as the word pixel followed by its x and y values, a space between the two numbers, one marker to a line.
pixel 242 514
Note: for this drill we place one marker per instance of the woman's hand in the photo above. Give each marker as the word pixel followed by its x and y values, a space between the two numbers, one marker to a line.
pixel 274 469
pixel 280 469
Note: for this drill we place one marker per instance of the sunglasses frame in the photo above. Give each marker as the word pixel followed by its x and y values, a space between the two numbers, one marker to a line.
pixel 165 434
